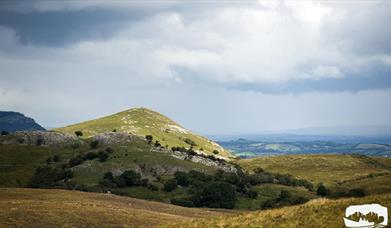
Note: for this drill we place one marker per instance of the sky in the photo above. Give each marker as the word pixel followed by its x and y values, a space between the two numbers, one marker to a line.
pixel 216 67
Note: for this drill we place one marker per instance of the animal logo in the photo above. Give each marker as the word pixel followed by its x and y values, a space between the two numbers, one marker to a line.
pixel 366 215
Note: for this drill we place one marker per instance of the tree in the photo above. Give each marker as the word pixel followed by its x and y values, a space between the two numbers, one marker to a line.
pixel 149 138
pixel 78 133
pixel 108 176
pixel 218 195
pixel 131 178
pixel 215 151
pixel 322 190
pixel 182 179
pixel 157 143
pixel 4 132
pixel 114 130
pixel 170 185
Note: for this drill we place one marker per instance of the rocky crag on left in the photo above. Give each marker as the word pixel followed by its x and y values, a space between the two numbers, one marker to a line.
pixel 15 121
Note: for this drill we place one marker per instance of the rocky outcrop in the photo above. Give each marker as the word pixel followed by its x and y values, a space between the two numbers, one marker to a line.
pixel 40 138
pixel 111 138
pixel 200 158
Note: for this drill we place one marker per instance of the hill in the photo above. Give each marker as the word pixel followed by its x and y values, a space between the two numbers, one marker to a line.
pixel 142 122
pixel 61 208
pixel 15 121
pixel 316 213
pixel 336 171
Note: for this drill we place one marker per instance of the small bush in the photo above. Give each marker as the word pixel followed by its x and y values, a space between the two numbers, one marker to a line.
pixel 144 182
pixel 322 190
pixel 131 178
pixel 270 203
pixel 215 152
pixel 170 185
pixel 182 179
pixel 357 192
pixel 91 155
pixel 78 133
pixel 94 144
pixel 149 138
pixel 103 156
pixel 153 187
pixel 76 161
pixel 108 176
pixel 40 141
pixel 56 158
pixel 252 194
pixel 109 150
pixel 190 142
pixel 4 132
pixel 182 202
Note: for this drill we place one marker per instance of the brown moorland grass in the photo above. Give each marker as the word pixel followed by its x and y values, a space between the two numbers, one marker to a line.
pixel 21 207
pixel 316 213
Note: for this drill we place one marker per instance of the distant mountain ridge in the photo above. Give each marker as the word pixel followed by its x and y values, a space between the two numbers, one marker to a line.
pixel 15 121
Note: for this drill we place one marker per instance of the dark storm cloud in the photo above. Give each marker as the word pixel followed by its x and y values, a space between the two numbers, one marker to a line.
pixel 58 28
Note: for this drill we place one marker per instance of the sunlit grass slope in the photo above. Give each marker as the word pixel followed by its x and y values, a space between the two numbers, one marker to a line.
pixel 142 121
pixel 333 170
pixel 62 208
pixel 316 213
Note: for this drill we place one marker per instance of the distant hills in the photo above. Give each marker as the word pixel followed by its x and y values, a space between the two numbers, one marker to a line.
pixel 142 122
pixel 348 130
pixel 15 121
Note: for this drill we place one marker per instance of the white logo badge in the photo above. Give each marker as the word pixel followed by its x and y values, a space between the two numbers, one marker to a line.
pixel 367 215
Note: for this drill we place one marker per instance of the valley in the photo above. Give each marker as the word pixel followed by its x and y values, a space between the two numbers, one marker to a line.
pixel 112 165
pixel 374 146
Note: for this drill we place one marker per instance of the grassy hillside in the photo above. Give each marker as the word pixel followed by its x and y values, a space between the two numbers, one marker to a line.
pixel 342 171
pixel 62 208
pixel 18 164
pixel 142 122
pixel 316 213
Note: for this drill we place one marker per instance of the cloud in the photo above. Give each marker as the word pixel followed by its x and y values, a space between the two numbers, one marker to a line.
pixel 269 43
pixel 277 60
